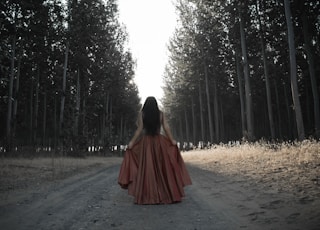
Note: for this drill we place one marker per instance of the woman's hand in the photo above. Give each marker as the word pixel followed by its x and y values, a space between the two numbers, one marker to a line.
pixel 130 145
pixel 173 142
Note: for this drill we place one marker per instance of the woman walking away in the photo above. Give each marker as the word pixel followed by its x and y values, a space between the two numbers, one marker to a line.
pixel 152 169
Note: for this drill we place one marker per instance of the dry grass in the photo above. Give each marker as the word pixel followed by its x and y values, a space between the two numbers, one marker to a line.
pixel 21 173
pixel 293 167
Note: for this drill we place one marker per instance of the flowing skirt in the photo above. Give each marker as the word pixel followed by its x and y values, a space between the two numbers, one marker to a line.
pixel 154 172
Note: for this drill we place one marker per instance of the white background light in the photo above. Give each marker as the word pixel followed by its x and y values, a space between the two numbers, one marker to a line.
pixel 150 24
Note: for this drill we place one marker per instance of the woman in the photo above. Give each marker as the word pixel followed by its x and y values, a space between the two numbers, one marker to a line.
pixel 153 170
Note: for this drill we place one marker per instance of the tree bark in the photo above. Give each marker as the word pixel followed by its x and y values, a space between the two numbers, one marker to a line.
pixel 36 105
pixel 16 94
pixel 181 131
pixel 44 127
pixel 278 108
pixel 216 111
pixel 249 111
pixel 84 130
pixel 208 103
pixel 55 123
pixel 194 126
pixel 106 116
pixel 222 128
pixel 266 76
pixel 121 130
pixel 288 107
pixel 76 122
pixel 103 122
pixel 201 112
pixel 293 72
pixel 187 125
pixel 31 113
pixel 63 93
pixel 242 104
pixel 311 65
pixel 110 117
pixel 10 98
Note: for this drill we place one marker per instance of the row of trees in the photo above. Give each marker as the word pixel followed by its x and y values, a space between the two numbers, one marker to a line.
pixel 66 75
pixel 244 69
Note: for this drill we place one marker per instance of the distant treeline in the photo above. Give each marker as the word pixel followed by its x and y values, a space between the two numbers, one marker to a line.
pixel 244 69
pixel 237 70
pixel 65 74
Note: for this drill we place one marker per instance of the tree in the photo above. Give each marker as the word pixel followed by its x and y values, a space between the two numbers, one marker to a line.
pixel 215 29
pixel 247 86
pixel 311 67
pixel 266 76
pixel 293 72
pixel 12 70
pixel 75 77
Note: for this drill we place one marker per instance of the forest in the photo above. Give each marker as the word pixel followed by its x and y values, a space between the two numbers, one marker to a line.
pixel 244 70
pixel 66 76
pixel 237 70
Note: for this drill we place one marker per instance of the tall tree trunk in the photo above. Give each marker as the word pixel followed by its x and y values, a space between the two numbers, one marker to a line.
pixel 222 128
pixel 266 76
pixel 278 108
pixel 55 122
pixel 44 126
pixel 249 111
pixel 121 130
pixel 208 103
pixel 288 108
pixel 106 117
pixel 36 105
pixel 187 125
pixel 194 126
pixel 31 113
pixel 309 123
pixel 242 104
pixel 9 112
pixel 84 130
pixel 201 113
pixel 110 117
pixel 313 79
pixel 16 93
pixel 63 93
pixel 181 132
pixel 125 128
pixel 216 111
pixel 293 72
pixel 76 122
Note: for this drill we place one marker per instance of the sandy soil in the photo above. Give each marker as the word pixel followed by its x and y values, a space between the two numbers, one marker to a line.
pixel 231 190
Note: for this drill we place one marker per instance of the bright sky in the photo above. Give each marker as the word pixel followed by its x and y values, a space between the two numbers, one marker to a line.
pixel 150 24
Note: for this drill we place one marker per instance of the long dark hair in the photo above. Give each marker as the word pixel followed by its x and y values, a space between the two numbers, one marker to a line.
pixel 151 116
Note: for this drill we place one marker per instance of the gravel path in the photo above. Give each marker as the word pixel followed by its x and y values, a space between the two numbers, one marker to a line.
pixel 93 200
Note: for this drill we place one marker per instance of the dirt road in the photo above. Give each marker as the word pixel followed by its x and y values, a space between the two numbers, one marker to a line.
pixel 93 200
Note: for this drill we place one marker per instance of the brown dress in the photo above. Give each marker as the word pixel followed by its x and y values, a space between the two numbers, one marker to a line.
pixel 153 171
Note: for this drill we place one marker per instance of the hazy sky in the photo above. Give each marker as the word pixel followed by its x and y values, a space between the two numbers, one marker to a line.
pixel 150 24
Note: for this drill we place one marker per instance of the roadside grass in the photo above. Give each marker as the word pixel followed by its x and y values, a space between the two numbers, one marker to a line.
pixel 292 167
